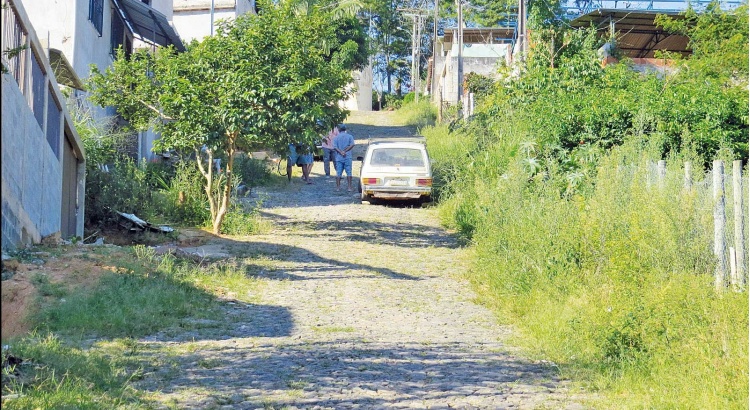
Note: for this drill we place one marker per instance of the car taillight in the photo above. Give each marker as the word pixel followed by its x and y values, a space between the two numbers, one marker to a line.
pixel 370 181
pixel 424 181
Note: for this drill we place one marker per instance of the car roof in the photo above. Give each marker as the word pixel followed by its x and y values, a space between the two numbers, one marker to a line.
pixel 417 139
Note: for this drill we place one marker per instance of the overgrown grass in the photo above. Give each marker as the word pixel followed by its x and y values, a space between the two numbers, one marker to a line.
pixel 56 376
pixel 141 297
pixel 418 114
pixel 245 219
pixel 612 281
pixel 145 293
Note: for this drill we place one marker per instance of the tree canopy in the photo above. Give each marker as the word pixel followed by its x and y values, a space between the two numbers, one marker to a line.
pixel 266 79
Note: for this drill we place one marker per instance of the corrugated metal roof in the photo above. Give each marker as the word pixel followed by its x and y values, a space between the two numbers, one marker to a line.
pixel 148 23
pixel 637 34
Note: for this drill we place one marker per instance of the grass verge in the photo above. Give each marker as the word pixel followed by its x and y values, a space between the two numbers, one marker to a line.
pixel 141 293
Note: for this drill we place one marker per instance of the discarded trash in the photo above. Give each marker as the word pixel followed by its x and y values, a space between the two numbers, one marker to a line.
pixel 138 224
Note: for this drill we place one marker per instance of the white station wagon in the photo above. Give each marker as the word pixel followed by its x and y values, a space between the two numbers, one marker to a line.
pixel 395 169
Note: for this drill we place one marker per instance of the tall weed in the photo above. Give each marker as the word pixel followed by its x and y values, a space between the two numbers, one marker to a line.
pixel 183 198
pixel 418 114
pixel 614 284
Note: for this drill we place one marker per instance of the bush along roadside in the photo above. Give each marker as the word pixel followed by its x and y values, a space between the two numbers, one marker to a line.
pixel 605 270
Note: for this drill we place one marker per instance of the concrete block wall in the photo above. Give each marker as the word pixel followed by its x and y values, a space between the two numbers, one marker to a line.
pixel 31 173
pixel 486 66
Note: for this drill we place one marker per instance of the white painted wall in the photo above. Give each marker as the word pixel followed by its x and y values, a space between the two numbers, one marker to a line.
pixel 475 61
pixel 164 7
pixel 361 99
pixel 192 18
pixel 196 24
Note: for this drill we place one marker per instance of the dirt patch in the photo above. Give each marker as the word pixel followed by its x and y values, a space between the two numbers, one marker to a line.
pixel 17 294
pixel 73 267
pixel 76 268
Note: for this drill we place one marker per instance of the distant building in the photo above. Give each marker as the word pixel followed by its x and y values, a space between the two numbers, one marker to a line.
pixel 484 49
pixel 193 18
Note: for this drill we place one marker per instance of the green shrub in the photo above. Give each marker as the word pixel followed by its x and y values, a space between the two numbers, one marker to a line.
pixel 125 188
pixel 243 219
pixel 479 84
pixel 182 199
pixel 252 172
pixel 392 101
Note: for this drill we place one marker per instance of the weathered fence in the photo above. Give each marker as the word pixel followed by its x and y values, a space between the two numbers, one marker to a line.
pixel 730 240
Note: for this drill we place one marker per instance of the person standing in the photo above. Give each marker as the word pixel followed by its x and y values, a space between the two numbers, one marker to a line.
pixel 328 151
pixel 299 155
pixel 343 145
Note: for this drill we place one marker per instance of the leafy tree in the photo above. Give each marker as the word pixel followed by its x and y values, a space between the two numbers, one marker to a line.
pixel 350 49
pixel 719 40
pixel 480 13
pixel 261 80
pixel 391 42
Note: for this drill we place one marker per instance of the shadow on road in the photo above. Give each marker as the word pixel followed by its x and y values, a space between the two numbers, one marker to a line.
pixel 350 373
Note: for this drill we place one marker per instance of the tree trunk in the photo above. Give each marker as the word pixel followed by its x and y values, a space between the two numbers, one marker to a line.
pixel 209 176
pixel 387 50
pixel 223 207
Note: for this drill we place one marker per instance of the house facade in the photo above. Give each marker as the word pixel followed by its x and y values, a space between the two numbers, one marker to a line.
pixel 43 161
pixel 360 91
pixel 483 50
pixel 89 32
pixel 196 19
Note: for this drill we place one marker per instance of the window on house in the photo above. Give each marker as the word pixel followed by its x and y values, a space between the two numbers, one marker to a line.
pixel 119 37
pixel 96 14
pixel 38 88
pixel 54 116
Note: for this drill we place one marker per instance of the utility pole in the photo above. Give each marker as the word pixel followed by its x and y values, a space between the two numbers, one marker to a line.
pixel 417 16
pixel 522 28
pixel 414 62
pixel 434 51
pixel 460 70
pixel 212 17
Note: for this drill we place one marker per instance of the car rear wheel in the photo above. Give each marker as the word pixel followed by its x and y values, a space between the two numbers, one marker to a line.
pixel 366 199
pixel 424 201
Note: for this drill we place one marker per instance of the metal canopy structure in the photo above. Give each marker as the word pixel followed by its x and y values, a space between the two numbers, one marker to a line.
pixel 150 25
pixel 64 72
pixel 637 34
pixel 494 35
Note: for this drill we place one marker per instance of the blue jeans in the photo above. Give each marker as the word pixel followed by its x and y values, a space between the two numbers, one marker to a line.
pixel 328 157
pixel 343 164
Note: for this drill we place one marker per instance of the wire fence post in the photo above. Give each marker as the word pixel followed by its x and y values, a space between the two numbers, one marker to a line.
pixel 739 279
pixel 688 175
pixel 720 272
pixel 661 173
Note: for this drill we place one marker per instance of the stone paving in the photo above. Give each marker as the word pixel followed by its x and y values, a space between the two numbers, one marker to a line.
pixel 364 307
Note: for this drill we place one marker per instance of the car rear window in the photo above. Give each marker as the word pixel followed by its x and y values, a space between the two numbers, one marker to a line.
pixel 397 157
